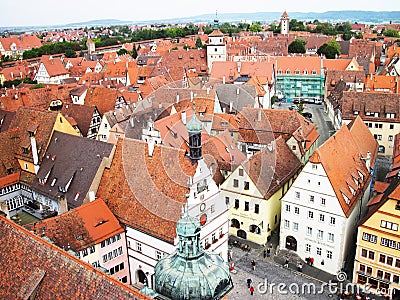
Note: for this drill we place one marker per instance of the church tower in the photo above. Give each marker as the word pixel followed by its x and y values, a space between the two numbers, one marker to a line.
pixel 216 48
pixel 285 23
pixel 194 127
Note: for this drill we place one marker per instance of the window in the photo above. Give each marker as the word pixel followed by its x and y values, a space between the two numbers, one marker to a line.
pixel 295 226
pixel 397 265
pixel 371 255
pixel 323 201
pixel 331 237
pixel 362 268
pixel 84 253
pixel 319 251
pixel 227 200
pixel 297 195
pixel 389 260
pixel 246 206
pixel 235 183
pixel 308 248
pixel 310 214
pixel 329 254
pixel 390 138
pixel 382 258
pixel 240 172
pixel 287 207
pixel 158 255
pixel 369 270
pixel 236 203
pixel 212 208
pixel 287 224
pixel 138 247
pixel 309 231
pixel 256 208
pixel 320 234
pixel 297 210
pixel 312 198
pixel 395 279
pixel 246 185
pixel 321 217
pixel 391 126
pixel 364 252
pixel 332 221
pixel 379 274
pixel 92 249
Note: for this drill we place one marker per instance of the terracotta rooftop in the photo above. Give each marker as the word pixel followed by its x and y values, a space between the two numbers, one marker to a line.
pixel 82 114
pixel 147 192
pixel 103 98
pixel 341 157
pixel 37 267
pixel 54 66
pixel 271 168
pixel 80 228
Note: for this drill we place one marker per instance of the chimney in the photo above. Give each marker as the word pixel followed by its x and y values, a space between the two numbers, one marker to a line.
pixel 183 117
pixel 35 154
pixel 259 115
pixel 191 96
pixel 150 146
pixel 237 91
pixel 208 91
pixel 223 79
pixel 368 161
pixel 230 106
pixel 239 66
pixel 12 75
pixel 177 98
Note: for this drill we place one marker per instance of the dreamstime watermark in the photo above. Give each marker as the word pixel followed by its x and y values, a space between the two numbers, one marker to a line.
pixel 311 288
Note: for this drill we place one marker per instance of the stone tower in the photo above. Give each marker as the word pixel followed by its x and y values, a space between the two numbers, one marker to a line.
pixel 216 48
pixel 285 23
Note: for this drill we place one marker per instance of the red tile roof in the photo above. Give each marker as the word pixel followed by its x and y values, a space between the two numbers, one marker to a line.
pixel 103 98
pixel 299 63
pixel 35 265
pixel 147 193
pixel 341 156
pixel 54 66
pixel 92 223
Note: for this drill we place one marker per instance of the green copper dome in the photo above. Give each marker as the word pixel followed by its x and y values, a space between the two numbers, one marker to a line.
pixel 190 273
pixel 194 125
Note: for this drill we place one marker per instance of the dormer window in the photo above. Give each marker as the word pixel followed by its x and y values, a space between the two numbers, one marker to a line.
pixel 314 72
pixel 390 116
pixel 287 72
pixel 356 112
pixel 305 72
pixel 297 72
pixel 25 150
pixel 279 72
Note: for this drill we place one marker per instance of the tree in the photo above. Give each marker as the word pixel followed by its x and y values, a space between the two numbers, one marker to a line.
pixel 134 52
pixel 297 46
pixel 255 28
pixel 199 44
pixel 70 53
pixel 391 33
pixel 122 51
pixel 329 49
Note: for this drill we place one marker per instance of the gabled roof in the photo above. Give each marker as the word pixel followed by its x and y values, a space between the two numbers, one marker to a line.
pixel 272 167
pixel 69 167
pixel 147 192
pixel 223 149
pixel 343 159
pixel 5 119
pixel 299 63
pixel 236 97
pixel 103 98
pixel 79 228
pixel 41 122
pixel 54 66
pixel 50 271
pixel 9 143
pixel 82 114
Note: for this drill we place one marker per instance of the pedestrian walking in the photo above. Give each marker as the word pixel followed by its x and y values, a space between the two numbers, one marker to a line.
pixel 268 252
pixel 253 265
pixel 249 281
pixel 265 253
pixel 300 267
pixel 286 265
pixel 252 290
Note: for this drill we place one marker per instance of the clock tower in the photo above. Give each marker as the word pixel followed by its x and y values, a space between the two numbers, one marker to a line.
pixel 216 48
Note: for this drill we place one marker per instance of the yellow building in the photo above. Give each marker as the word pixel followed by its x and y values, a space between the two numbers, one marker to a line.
pixel 254 190
pixel 377 263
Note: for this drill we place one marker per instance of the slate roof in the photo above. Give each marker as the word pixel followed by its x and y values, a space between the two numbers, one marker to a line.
pixel 70 163
pixel 271 168
pixel 341 157
pixel 79 228
pixel 35 265
pixel 240 97
pixel 147 193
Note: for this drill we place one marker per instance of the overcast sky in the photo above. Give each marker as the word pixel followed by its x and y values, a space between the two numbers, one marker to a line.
pixel 49 12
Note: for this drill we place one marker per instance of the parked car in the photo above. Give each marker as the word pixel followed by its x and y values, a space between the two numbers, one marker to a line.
pixel 293 107
pixel 318 101
pixel 307 115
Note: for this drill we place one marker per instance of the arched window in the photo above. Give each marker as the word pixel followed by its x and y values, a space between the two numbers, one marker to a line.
pixel 254 229
pixel 235 223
